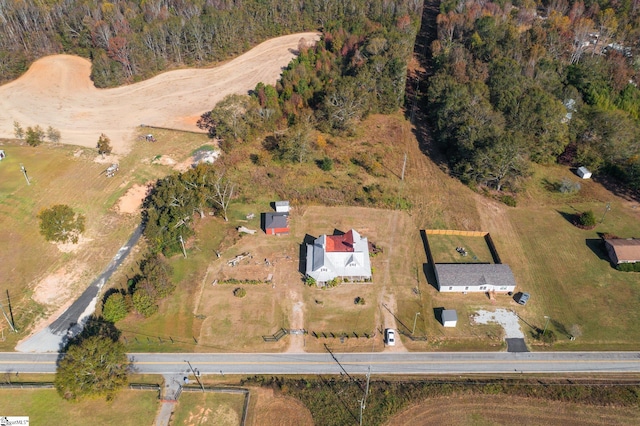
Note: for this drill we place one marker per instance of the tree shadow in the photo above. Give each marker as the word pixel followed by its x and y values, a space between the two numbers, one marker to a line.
pixel 92 326
pixel 572 218
pixel 617 188
pixel 551 186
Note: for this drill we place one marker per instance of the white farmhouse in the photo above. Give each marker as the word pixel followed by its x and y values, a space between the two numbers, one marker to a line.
pixel 333 256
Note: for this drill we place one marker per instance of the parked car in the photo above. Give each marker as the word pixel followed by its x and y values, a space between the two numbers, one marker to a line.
pixel 522 298
pixel 390 336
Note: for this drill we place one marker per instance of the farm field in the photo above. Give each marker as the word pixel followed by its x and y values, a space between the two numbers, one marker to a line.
pixel 501 409
pixel 44 406
pixel 208 408
pixel 57 91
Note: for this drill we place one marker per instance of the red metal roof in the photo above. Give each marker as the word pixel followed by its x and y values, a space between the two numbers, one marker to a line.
pixel 340 243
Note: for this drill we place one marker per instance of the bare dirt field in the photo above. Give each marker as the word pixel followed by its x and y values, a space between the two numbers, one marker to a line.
pixel 277 410
pixel 501 410
pixel 57 91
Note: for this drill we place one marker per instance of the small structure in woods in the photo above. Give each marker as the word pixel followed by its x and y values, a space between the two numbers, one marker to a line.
pixel 583 172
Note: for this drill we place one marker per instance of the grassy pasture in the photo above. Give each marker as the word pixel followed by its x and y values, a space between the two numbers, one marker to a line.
pixel 44 406
pixel 443 249
pixel 62 174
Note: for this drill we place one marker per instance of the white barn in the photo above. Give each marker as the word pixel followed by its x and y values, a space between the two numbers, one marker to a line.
pixel 333 256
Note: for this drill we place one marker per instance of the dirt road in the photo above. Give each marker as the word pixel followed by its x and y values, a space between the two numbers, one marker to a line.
pixel 57 91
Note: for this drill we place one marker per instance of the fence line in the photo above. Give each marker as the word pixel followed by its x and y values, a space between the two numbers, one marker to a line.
pixel 455 232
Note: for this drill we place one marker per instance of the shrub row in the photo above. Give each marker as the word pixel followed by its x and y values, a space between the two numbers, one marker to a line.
pixel 629 267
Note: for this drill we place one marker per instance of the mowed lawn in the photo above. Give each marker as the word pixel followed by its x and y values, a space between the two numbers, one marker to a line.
pixel 570 278
pixel 44 406
pixel 443 249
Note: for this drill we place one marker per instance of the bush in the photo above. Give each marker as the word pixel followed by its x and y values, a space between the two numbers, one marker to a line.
pixel 359 300
pixel 569 187
pixel 35 135
pixel 144 301
pixel 239 292
pixel 587 219
pixel 508 200
pixel 310 281
pixel 53 134
pixel 325 164
pixel 115 307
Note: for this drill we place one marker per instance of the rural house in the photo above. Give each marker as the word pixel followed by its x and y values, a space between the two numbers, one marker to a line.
pixel 333 256
pixel 474 277
pixel 276 223
pixel 623 250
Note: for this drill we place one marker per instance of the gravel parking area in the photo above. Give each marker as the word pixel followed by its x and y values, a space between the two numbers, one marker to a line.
pixel 507 319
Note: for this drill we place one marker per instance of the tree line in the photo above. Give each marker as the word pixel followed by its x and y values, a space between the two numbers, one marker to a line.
pixel 130 40
pixel 328 88
pixel 527 81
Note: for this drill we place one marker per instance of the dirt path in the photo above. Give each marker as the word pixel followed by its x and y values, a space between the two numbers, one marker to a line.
pixel 57 91
pixel 296 344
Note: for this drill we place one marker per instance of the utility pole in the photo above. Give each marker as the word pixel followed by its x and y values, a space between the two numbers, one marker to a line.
pixel 184 252
pixel 197 376
pixel 13 322
pixel 404 166
pixel 546 324
pixel 24 172
pixel 363 401
pixel 7 318
pixel 415 319
pixel 606 209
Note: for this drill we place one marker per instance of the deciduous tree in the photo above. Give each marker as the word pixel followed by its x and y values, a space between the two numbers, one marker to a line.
pixel 61 224
pixel 104 145
pixel 96 366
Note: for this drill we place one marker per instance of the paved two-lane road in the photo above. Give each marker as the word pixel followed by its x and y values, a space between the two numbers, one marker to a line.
pixel 357 363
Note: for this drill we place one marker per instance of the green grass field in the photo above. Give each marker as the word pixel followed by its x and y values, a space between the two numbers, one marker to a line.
pixel 44 406
pixel 443 249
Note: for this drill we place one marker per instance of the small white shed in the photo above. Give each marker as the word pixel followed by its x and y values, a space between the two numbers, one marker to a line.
pixel 282 206
pixel 2 154
pixel 584 173
pixel 449 318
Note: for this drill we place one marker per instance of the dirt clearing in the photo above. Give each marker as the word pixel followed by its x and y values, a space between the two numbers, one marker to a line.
pixel 275 410
pixel 57 91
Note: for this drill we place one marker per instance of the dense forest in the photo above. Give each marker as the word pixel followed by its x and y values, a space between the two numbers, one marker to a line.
pixel 515 83
pixel 359 67
pixel 130 40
